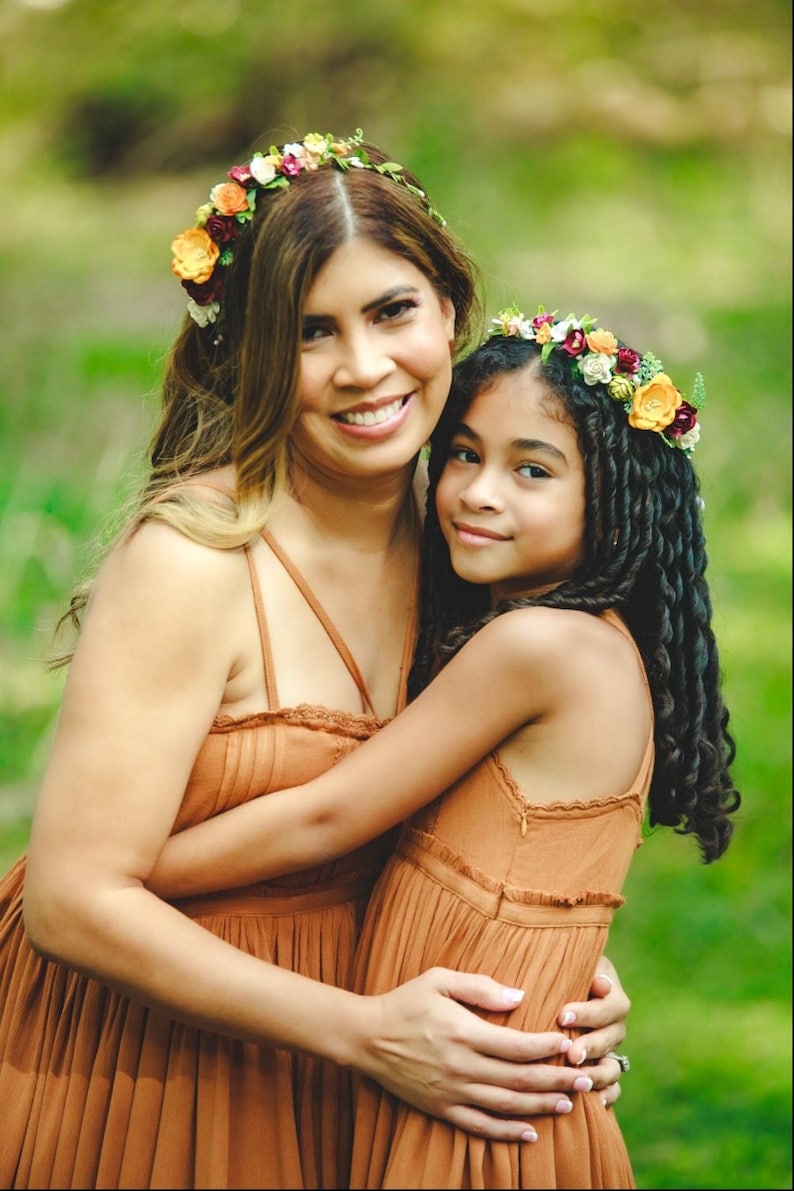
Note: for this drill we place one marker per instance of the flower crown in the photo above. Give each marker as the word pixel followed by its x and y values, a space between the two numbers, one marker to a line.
pixel 201 253
pixel 640 383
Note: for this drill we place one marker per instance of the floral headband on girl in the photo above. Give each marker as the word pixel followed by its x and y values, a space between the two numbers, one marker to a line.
pixel 640 383
pixel 203 252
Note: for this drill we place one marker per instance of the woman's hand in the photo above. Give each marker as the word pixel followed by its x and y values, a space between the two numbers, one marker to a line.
pixel 602 1020
pixel 428 1049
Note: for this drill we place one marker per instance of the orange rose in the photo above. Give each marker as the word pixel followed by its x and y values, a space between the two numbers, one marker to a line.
pixel 543 333
pixel 602 341
pixel 228 198
pixel 195 255
pixel 653 405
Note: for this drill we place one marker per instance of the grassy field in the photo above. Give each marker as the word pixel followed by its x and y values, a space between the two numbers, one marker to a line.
pixel 683 244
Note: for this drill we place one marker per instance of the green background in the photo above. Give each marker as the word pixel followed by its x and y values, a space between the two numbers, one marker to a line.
pixel 628 160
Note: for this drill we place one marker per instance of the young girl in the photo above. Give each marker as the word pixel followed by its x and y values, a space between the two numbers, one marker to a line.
pixel 568 624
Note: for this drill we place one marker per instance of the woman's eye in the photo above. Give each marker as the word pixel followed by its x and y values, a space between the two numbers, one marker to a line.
pixel 312 332
pixel 533 471
pixel 395 310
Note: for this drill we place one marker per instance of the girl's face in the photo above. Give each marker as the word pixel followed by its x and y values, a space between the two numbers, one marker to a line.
pixel 375 364
pixel 511 498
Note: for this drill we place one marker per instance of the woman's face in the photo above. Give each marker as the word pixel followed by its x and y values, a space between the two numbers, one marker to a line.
pixel 375 363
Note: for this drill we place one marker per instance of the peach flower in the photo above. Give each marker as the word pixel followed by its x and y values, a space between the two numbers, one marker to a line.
pixel 228 198
pixel 602 341
pixel 654 404
pixel 195 254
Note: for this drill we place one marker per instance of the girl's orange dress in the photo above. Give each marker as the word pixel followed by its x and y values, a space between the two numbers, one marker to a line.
pixel 96 1091
pixel 485 880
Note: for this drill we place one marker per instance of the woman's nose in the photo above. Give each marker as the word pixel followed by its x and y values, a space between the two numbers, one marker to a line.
pixel 362 361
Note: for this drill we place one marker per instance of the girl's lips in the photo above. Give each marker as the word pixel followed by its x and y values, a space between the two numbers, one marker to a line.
pixel 471 535
pixel 378 421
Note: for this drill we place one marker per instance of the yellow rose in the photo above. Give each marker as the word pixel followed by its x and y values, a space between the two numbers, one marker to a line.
pixel 543 333
pixel 195 254
pixel 653 405
pixel 228 198
pixel 602 341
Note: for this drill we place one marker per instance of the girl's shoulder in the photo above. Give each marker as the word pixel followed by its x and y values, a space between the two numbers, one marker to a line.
pixel 564 639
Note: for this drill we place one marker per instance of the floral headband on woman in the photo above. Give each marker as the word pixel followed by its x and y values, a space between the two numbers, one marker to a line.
pixel 201 253
pixel 640 383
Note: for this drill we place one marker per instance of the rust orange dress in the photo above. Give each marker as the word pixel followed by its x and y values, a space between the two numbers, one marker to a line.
pixel 97 1091
pixel 485 880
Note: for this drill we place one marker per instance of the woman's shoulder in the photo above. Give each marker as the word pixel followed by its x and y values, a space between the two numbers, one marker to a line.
pixel 156 559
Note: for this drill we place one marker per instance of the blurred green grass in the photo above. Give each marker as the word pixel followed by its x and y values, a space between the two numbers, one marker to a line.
pixel 667 215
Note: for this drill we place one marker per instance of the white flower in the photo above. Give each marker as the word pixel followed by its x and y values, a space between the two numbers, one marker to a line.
pixel 688 441
pixel 203 314
pixel 294 150
pixel 559 331
pixel 596 368
pixel 515 325
pixel 263 168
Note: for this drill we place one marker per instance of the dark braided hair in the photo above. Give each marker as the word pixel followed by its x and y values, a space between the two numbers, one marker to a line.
pixel 644 557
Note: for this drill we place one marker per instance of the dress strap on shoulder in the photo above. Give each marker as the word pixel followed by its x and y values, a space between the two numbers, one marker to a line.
pixel 264 635
pixel 646 768
pixel 323 617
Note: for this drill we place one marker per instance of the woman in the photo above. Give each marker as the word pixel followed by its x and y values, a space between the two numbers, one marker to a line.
pixel 254 622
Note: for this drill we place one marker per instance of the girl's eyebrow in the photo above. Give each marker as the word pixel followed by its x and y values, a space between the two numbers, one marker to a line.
pixel 397 291
pixel 518 444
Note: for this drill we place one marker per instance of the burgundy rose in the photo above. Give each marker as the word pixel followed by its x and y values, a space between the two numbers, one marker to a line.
pixel 628 361
pixel 685 418
pixel 575 342
pixel 222 228
pixel 210 291
pixel 290 165
pixel 540 319
pixel 240 174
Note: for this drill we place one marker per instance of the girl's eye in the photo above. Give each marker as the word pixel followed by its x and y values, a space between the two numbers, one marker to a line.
pixel 463 454
pixel 533 471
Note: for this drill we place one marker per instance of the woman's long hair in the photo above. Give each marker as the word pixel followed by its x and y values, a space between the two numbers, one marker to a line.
pixel 230 392
pixel 644 556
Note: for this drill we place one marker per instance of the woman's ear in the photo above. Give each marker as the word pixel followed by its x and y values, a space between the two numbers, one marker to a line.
pixel 448 317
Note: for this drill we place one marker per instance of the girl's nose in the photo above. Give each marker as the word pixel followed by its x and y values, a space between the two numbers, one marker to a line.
pixel 362 362
pixel 481 493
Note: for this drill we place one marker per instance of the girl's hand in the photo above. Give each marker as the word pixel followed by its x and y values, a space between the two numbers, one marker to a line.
pixel 426 1047
pixel 602 1020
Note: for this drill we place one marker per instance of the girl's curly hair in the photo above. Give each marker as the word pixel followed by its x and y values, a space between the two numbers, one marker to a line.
pixel 644 556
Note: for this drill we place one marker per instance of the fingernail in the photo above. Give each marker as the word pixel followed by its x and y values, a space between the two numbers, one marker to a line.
pixel 608 979
pixel 583 1084
pixel 583 1058
pixel 565 1046
pixel 514 994
pixel 563 1106
pixel 568 1018
pixel 530 1135
pixel 604 1102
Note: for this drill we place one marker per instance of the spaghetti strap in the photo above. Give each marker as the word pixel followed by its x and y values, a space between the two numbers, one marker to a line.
pixel 264 635
pixel 646 767
pixel 333 633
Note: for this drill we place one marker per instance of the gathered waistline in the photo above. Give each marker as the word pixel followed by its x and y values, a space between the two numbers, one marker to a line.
pixel 505 902
pixel 248 904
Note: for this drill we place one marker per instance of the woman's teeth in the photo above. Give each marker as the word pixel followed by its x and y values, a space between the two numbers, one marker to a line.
pixel 372 417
